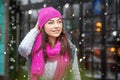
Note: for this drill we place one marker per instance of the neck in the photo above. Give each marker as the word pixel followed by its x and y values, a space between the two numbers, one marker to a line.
pixel 52 41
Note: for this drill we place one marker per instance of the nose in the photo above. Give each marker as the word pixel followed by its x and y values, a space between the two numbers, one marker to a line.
pixel 57 24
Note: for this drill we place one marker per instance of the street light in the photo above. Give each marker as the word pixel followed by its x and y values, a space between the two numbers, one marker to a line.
pixel 98 26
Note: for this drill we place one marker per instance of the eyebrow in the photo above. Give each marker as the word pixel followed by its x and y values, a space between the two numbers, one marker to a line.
pixel 53 20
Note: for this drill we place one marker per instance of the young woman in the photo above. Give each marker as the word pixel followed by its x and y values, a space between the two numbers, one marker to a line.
pixel 51 55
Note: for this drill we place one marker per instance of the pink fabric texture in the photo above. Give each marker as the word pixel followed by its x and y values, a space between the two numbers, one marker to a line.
pixel 63 61
pixel 47 13
pixel 38 63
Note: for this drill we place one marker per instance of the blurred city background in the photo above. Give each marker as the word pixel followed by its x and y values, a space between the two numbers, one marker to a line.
pixel 92 25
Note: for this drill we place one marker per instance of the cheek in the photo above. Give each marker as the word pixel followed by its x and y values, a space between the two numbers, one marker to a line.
pixel 47 31
pixel 46 28
pixel 61 28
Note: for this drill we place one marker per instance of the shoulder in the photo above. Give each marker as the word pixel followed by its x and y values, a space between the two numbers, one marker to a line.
pixel 72 47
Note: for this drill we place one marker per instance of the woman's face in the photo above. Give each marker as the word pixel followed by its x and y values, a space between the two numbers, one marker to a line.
pixel 53 27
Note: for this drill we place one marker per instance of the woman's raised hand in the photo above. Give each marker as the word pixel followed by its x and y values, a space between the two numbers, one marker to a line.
pixel 37 26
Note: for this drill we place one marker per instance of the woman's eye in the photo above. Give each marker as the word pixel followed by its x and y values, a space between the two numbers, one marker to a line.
pixel 50 22
pixel 60 21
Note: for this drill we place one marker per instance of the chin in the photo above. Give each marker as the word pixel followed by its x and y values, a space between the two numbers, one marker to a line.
pixel 56 35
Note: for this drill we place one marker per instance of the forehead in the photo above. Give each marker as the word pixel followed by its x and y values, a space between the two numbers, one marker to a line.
pixel 52 19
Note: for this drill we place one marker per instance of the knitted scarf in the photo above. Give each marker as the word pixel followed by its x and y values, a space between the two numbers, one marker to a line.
pixel 53 54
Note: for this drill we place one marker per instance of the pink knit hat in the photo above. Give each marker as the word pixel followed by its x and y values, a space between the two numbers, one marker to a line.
pixel 47 13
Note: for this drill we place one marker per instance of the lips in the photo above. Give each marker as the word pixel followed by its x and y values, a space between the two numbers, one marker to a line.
pixel 56 31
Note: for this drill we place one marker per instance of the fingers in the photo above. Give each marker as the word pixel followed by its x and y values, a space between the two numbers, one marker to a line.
pixel 37 25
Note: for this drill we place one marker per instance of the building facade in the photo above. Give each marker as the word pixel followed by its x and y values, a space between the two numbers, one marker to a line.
pixel 92 25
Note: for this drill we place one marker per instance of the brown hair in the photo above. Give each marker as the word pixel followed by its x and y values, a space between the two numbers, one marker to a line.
pixel 65 47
